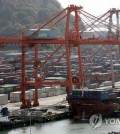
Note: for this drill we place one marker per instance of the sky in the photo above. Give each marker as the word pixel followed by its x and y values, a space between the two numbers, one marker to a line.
pixel 94 7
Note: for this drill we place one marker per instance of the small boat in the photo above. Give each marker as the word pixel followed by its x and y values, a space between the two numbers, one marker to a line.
pixel 4 119
pixel 4 115
pixel 6 123
pixel 113 132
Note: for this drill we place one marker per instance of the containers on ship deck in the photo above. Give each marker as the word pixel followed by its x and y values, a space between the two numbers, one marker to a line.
pixel 96 94
pixel 90 94
pixel 76 94
pixel 3 99
pixel 94 85
pixel 112 96
pixel 109 89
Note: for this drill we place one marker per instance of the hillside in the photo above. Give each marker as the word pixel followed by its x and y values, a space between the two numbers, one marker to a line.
pixel 18 14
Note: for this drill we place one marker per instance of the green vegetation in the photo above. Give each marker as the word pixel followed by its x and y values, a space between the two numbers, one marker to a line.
pixel 18 14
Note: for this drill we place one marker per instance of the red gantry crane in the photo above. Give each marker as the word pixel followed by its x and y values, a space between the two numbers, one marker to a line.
pixel 70 40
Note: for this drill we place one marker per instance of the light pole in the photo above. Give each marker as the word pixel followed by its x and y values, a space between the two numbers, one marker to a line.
pixel 30 121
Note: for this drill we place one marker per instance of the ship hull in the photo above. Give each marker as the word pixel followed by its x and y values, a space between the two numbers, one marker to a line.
pixel 86 108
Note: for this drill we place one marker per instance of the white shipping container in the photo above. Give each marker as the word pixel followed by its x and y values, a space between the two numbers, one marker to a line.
pixel 15 96
pixel 32 90
pixel 107 83
pixel 57 93
pixel 49 89
pixel 14 99
pixel 63 88
pixel 104 88
pixel 57 89
pixel 28 94
pixel 50 94
pixel 43 89
pixel 117 82
pixel 3 99
pixel 39 91
pixel 62 92
pixel 94 85
pixel 43 95
pixel 89 35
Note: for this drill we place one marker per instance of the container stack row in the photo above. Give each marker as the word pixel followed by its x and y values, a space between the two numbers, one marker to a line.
pixel 42 93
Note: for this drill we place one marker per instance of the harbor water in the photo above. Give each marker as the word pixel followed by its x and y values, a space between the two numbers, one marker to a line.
pixel 64 127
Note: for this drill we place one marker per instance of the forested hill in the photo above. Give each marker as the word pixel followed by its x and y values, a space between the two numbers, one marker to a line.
pixel 17 14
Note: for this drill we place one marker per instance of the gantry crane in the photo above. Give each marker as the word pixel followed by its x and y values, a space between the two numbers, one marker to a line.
pixel 70 40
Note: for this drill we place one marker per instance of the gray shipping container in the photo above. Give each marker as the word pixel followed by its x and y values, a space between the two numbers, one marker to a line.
pixel 3 99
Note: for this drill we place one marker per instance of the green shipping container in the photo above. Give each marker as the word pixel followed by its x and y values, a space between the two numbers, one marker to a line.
pixel 7 88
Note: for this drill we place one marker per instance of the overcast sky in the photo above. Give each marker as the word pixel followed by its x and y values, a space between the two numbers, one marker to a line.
pixel 95 7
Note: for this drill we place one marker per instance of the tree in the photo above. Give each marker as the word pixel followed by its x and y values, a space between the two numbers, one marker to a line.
pixel 27 20
pixel 42 15
pixel 16 14
pixel 6 14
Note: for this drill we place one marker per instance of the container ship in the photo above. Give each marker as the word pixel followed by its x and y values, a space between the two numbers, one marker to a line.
pixel 87 102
